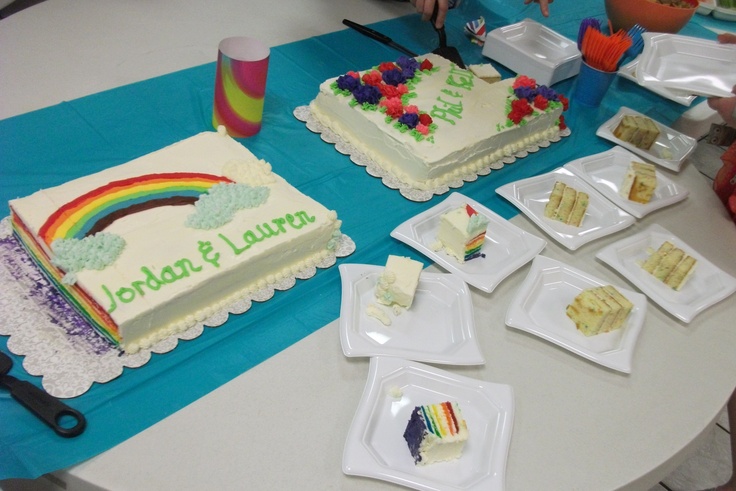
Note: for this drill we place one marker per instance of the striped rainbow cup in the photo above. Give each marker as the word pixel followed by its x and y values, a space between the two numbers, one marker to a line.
pixel 240 85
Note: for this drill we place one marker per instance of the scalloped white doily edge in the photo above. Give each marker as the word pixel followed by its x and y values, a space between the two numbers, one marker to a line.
pixel 304 114
pixel 68 366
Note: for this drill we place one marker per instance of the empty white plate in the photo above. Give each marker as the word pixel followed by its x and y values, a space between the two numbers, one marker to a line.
pixel 438 327
pixel 669 150
pixel 375 445
pixel 707 285
pixel 628 71
pixel 693 65
pixel 539 308
pixel 532 194
pixel 606 171
pixel 506 247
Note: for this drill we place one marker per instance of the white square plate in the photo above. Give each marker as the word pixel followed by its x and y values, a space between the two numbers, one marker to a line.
pixel 628 71
pixel 606 171
pixel 506 248
pixel 539 308
pixel 438 327
pixel 693 65
pixel 533 49
pixel 532 194
pixel 669 150
pixel 375 445
pixel 706 286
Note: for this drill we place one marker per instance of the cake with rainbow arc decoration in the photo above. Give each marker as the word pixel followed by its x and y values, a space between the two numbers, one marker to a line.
pixel 436 433
pixel 462 232
pixel 427 123
pixel 151 247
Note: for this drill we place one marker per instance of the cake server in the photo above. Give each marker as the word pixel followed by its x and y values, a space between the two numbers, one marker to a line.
pixel 449 52
pixel 48 408
pixel 381 38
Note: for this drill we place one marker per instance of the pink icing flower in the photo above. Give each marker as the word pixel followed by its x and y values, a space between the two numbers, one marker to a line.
pixel 394 106
pixel 386 66
pixel 411 109
pixel 353 74
pixel 423 129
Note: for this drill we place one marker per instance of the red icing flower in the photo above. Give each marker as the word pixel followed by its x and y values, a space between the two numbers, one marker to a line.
pixel 353 74
pixel 386 66
pixel 541 102
pixel 565 102
pixel 426 65
pixel 470 211
pixel 394 107
pixel 562 124
pixel 372 78
pixel 524 81
pixel 519 109
pixel 389 91
pixel 425 119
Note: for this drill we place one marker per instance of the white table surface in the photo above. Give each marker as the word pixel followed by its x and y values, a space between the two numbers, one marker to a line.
pixel 577 425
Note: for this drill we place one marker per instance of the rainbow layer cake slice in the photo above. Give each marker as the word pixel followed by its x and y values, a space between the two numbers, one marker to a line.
pixel 436 433
pixel 462 232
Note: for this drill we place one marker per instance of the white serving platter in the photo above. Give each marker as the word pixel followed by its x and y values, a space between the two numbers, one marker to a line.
pixel 506 248
pixel 539 308
pixel 693 65
pixel 439 326
pixel 602 217
pixel 628 71
pixel 606 171
pixel 669 150
pixel 532 49
pixel 375 446
pixel 707 285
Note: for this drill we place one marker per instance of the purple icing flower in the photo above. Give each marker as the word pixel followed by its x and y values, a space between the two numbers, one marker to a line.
pixel 408 65
pixel 409 119
pixel 393 77
pixel 367 94
pixel 527 93
pixel 347 82
pixel 547 93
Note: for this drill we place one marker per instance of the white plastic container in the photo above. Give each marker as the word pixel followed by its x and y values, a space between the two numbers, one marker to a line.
pixel 532 49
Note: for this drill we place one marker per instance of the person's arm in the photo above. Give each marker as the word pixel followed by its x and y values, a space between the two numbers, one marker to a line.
pixel 725 106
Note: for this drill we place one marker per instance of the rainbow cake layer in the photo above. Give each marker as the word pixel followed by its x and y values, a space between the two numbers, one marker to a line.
pixel 427 122
pixel 151 247
pixel 436 433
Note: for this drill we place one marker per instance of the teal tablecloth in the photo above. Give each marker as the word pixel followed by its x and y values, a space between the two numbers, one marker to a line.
pixel 50 146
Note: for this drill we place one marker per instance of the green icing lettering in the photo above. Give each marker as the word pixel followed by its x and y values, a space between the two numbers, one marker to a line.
pixel 125 295
pixel 447 111
pixel 460 78
pixel 113 303
pixel 206 250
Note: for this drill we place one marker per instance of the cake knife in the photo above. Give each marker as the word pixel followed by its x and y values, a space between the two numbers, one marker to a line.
pixel 47 407
pixel 381 38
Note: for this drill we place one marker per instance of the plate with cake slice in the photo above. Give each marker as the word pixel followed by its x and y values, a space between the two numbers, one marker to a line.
pixel 668 271
pixel 567 208
pixel 469 240
pixel 579 312
pixel 476 440
pixel 433 322
pixel 648 138
pixel 635 186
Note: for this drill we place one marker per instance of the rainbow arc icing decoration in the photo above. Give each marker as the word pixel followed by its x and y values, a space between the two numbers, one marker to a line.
pixel 240 88
pixel 96 209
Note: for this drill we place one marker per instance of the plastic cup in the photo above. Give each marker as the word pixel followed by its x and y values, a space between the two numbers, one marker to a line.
pixel 592 85
pixel 240 85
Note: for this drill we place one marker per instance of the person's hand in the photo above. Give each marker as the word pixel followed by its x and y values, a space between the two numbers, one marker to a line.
pixel 426 8
pixel 543 5
pixel 725 106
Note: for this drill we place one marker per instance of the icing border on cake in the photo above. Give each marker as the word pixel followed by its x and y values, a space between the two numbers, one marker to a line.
pixel 412 193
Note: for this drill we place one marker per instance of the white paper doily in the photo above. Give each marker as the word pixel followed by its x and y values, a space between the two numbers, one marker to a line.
pixel 66 351
pixel 304 114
